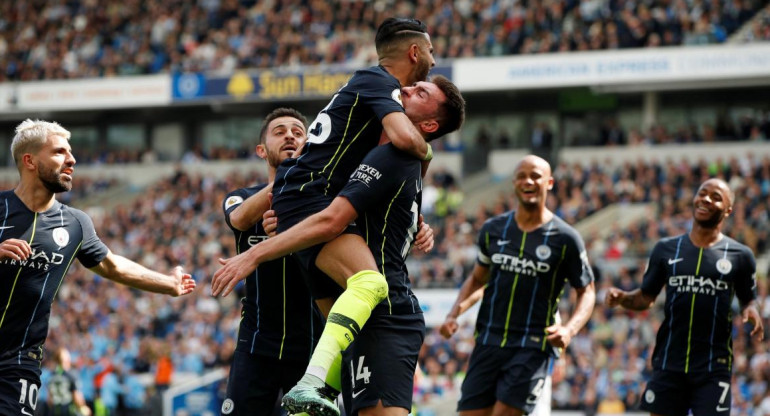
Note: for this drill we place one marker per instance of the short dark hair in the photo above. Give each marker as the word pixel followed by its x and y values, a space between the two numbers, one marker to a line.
pixel 277 113
pixel 394 30
pixel 451 112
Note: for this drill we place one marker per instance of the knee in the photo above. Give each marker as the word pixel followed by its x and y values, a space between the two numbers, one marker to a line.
pixel 372 282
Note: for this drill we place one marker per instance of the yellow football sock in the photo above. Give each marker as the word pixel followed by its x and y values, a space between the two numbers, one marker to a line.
pixel 348 315
pixel 334 376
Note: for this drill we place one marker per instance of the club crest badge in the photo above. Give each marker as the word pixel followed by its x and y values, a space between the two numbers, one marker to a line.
pixel 724 266
pixel 649 396
pixel 232 201
pixel 60 236
pixel 543 252
pixel 228 406
pixel 396 95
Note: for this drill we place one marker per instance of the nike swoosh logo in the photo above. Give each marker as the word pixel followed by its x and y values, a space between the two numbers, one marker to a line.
pixel 503 242
pixel 25 412
pixel 722 409
pixel 357 393
pixel 5 227
pixel 672 261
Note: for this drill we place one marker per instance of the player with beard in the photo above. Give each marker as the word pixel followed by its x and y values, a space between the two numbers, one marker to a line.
pixel 525 258
pixel 692 360
pixel 39 239
pixel 351 125
pixel 382 197
pixel 279 325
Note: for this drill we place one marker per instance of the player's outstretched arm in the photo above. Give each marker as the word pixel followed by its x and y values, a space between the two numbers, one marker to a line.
pixel 561 335
pixel 251 210
pixel 635 300
pixel 750 313
pixel 405 135
pixel 315 229
pixel 471 292
pixel 122 270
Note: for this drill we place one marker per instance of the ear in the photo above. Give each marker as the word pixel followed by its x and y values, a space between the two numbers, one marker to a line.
pixel 429 126
pixel 414 53
pixel 550 183
pixel 261 151
pixel 28 162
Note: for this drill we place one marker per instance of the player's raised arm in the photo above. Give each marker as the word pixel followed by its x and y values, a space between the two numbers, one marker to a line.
pixel 315 229
pixel 122 270
pixel 405 136
pixel 252 209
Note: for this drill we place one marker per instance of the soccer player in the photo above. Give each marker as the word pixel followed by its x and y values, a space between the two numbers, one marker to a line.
pixel 525 257
pixel 65 396
pixel 280 324
pixel 448 328
pixel 339 138
pixel 692 360
pixel 39 239
pixel 436 107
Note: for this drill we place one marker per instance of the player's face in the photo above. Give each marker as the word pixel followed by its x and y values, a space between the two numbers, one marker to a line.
pixel 711 204
pixel 56 164
pixel 284 136
pixel 531 183
pixel 425 59
pixel 421 101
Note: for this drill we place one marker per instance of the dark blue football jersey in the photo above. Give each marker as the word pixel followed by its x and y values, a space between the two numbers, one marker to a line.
pixel 28 287
pixel 282 319
pixel 340 136
pixel 527 273
pixel 696 334
pixel 385 191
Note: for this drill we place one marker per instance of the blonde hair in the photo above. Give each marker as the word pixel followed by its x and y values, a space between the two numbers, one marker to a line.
pixel 32 135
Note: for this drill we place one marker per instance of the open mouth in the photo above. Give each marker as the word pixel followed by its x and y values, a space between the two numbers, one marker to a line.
pixel 288 148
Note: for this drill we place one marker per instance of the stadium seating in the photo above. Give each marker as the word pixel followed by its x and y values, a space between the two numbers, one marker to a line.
pixel 81 39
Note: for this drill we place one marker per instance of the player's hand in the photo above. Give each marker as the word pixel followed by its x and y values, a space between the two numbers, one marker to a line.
pixel 449 327
pixel 233 270
pixel 614 297
pixel 559 335
pixel 15 249
pixel 751 314
pixel 270 222
pixel 424 239
pixel 184 282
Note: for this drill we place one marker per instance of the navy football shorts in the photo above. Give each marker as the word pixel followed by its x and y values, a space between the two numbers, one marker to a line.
pixel 514 376
pixel 674 393
pixel 255 383
pixel 19 385
pixel 380 363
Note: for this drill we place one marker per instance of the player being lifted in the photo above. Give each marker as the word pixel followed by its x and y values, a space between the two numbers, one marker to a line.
pixel 389 223
pixel 342 134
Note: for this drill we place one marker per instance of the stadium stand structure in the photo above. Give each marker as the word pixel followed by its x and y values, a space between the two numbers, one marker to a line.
pixel 625 125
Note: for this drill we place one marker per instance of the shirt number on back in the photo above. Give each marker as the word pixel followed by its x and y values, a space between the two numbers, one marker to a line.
pixel 321 127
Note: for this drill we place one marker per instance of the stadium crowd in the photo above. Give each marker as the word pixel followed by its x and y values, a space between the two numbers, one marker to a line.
pixel 120 339
pixel 58 39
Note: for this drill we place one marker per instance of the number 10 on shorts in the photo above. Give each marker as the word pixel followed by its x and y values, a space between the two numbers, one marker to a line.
pixel 362 373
